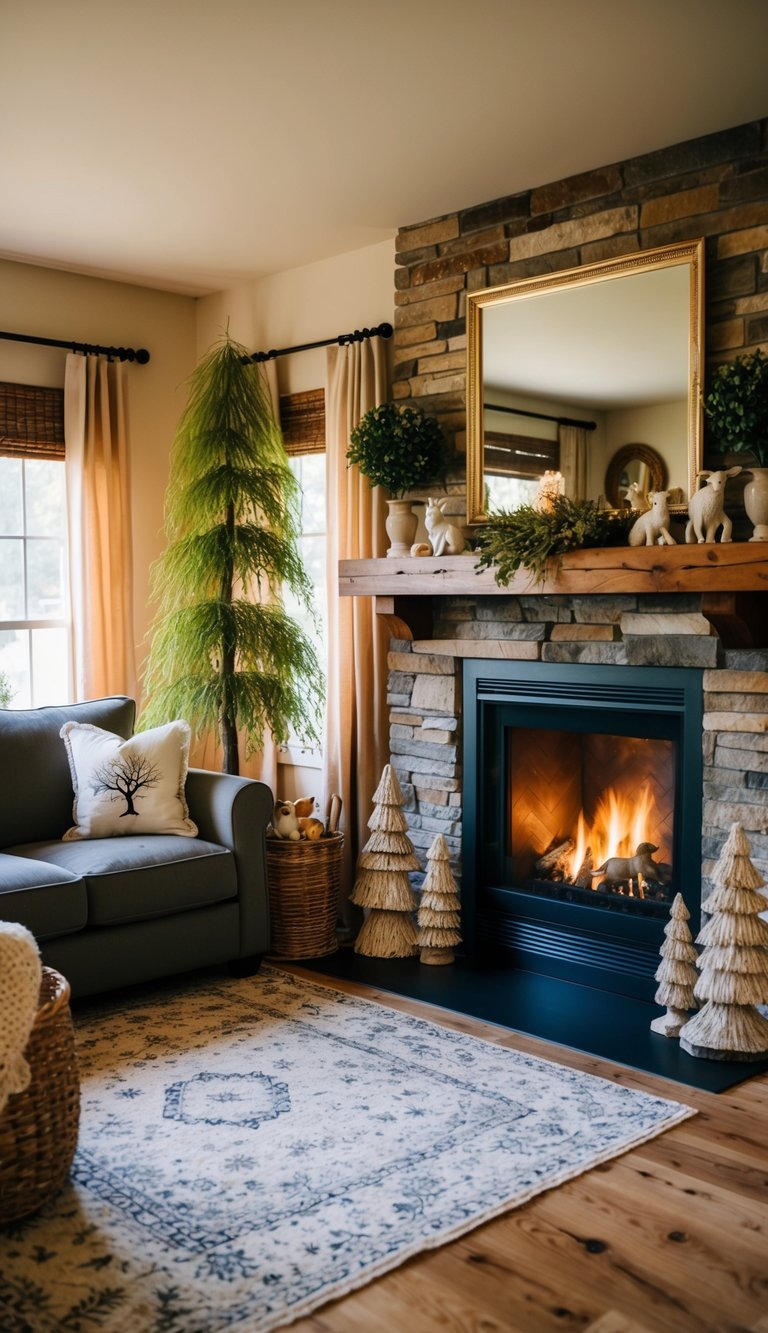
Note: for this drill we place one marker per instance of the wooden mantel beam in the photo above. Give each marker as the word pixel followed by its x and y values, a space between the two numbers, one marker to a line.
pixel 706 568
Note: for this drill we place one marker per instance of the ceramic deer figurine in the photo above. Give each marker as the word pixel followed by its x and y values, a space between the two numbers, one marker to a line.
pixel 706 512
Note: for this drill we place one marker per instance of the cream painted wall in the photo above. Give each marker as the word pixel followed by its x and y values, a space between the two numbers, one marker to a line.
pixel 53 304
pixel 301 305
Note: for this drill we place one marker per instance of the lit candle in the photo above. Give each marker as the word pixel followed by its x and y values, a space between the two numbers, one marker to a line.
pixel 550 485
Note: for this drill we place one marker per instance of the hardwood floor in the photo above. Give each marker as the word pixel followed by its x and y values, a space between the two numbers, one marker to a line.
pixel 670 1237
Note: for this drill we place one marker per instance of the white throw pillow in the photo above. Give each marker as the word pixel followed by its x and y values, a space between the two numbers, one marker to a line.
pixel 133 786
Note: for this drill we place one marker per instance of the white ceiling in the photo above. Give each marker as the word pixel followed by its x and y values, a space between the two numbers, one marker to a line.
pixel 195 144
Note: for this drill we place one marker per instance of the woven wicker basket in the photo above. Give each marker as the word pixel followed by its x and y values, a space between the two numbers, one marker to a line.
pixel 38 1128
pixel 303 882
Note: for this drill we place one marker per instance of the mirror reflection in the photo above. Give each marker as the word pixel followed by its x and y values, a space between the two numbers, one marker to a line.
pixel 568 371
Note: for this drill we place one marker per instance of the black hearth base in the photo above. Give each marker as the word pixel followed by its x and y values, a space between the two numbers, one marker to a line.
pixel 613 1027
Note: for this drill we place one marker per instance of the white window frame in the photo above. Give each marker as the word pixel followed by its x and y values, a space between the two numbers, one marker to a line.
pixel 26 623
pixel 294 754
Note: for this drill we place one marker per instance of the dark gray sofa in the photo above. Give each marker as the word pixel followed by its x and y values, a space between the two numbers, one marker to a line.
pixel 108 912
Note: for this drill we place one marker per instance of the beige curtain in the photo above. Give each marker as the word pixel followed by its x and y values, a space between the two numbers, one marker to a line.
pixel 573 461
pixel 99 524
pixel 357 725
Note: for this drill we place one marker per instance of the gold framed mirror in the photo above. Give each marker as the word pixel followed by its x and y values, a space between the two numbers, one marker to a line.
pixel 564 368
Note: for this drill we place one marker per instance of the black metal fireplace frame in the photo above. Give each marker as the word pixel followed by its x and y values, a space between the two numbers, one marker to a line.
pixel 589 945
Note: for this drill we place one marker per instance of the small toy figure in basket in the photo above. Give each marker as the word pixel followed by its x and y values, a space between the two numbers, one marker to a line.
pixel 295 820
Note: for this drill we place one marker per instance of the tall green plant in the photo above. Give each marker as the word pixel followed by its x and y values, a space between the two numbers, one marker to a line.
pixel 225 654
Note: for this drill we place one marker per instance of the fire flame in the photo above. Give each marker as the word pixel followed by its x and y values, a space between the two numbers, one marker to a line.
pixel 621 822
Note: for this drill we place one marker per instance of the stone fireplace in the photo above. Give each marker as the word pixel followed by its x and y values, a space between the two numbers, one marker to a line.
pixel 632 684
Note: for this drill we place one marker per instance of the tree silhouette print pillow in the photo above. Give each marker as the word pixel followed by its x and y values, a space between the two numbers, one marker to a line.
pixel 133 786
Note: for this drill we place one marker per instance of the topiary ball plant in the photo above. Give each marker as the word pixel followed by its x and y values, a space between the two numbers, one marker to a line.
pixel 736 406
pixel 397 446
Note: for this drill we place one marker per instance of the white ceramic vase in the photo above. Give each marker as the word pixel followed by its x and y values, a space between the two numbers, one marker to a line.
pixel 401 527
pixel 756 503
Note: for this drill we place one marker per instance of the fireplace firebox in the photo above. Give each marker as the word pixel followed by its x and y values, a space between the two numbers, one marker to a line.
pixel 582 809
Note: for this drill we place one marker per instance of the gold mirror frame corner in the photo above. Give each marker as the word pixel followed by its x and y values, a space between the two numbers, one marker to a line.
pixel 684 252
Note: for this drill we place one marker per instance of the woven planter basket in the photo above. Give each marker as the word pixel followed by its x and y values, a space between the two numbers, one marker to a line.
pixel 303 883
pixel 38 1127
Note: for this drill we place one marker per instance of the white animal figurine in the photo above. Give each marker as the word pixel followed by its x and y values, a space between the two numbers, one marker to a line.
pixel 445 537
pixel 705 508
pixel 629 867
pixel 635 496
pixel 653 525
pixel 285 822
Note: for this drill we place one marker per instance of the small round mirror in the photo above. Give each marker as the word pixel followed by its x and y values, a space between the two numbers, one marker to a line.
pixel 634 471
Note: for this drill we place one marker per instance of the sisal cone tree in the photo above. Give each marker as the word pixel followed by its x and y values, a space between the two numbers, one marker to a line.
pixel 438 916
pixel 225 654
pixel 676 973
pixel 733 963
pixel 382 884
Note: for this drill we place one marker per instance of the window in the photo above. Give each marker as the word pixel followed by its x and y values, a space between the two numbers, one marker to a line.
pixel 34 626
pixel 303 424
pixel 514 465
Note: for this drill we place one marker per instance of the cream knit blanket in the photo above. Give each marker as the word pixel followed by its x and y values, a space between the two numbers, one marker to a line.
pixel 20 975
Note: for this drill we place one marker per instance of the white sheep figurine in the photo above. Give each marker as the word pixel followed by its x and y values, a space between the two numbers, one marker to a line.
pixel 706 512
pixel 445 537
pixel 653 525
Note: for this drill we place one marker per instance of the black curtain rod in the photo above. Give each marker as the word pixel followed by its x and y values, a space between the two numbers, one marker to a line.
pixel 540 416
pixel 140 356
pixel 359 335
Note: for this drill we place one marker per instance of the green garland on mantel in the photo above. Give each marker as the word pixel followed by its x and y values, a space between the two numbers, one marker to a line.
pixel 526 538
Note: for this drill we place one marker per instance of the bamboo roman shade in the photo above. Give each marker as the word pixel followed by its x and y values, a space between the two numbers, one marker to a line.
pixel 302 421
pixel 31 421
pixel 519 455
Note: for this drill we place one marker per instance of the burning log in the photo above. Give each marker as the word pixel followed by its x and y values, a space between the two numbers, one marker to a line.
pixel 583 879
pixel 554 861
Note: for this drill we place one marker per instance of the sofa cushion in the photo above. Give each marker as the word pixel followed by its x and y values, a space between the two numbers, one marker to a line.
pixel 35 784
pixel 125 787
pixel 48 899
pixel 135 878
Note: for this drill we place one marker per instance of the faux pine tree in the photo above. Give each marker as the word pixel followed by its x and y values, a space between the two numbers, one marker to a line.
pixel 676 973
pixel 382 883
pixel 438 916
pixel 225 654
pixel 733 963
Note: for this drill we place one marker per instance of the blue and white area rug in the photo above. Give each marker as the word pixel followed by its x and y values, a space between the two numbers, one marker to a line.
pixel 251 1149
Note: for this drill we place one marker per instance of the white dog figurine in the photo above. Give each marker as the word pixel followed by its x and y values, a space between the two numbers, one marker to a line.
pixel 445 537
pixel 705 508
pixel 635 496
pixel 653 526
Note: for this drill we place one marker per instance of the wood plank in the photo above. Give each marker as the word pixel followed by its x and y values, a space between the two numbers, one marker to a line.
pixel 671 1237
pixel 734 566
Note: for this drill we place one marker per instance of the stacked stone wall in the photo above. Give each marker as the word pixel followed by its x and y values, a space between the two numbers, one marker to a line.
pixel 715 187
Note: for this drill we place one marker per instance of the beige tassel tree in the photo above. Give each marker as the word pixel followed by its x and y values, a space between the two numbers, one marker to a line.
pixel 676 973
pixel 733 962
pixel 438 916
pixel 382 884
